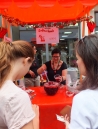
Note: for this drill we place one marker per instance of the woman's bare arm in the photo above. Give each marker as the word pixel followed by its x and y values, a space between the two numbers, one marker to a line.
pixel 28 125
pixel 41 69
pixel 64 74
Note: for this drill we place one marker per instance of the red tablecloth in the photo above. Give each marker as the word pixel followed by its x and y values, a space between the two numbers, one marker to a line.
pixel 50 106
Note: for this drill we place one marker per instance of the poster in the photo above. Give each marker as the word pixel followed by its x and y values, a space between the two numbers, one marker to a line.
pixel 47 35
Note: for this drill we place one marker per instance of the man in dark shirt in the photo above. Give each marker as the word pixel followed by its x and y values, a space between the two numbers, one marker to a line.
pixel 32 78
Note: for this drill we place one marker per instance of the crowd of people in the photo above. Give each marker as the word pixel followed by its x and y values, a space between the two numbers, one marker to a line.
pixel 17 59
pixel 49 69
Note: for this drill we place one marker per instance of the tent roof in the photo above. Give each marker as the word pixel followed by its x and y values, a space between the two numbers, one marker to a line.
pixel 40 11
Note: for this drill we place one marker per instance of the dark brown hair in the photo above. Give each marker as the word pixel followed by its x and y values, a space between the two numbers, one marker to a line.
pixel 55 51
pixel 10 52
pixel 87 49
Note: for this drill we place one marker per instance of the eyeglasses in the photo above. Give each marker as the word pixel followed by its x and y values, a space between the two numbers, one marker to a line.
pixel 55 56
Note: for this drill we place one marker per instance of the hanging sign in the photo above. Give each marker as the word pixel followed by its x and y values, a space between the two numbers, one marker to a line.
pixel 47 35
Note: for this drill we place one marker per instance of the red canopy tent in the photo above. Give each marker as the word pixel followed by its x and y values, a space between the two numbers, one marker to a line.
pixel 41 11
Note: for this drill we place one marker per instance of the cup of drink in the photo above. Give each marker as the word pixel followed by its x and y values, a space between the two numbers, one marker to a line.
pixel 44 75
pixel 57 77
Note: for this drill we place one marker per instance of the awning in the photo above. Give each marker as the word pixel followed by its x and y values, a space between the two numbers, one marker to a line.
pixel 41 11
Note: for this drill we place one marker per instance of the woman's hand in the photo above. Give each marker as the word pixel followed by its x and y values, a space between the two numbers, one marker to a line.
pixel 31 73
pixel 41 69
pixel 59 79
pixel 66 121
pixel 36 118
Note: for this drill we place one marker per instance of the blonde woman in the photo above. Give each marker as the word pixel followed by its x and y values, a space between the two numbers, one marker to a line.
pixel 16 111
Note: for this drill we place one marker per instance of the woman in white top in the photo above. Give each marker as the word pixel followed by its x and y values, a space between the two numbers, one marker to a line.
pixel 84 113
pixel 16 111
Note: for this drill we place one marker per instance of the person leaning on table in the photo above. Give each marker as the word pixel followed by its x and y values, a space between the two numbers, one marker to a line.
pixel 16 110
pixel 55 66
pixel 84 112
pixel 32 78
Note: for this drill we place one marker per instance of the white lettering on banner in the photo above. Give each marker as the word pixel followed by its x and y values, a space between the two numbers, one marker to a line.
pixel 47 35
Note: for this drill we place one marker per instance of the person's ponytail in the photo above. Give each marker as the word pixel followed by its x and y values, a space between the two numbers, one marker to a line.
pixel 5 67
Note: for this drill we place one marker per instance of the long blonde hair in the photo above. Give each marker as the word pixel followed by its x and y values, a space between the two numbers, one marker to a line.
pixel 10 52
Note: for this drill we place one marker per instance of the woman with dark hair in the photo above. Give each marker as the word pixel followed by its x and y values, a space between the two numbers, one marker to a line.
pixel 84 113
pixel 55 66
pixel 32 78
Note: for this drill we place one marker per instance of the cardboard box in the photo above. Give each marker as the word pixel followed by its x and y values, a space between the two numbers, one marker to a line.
pixel 66 110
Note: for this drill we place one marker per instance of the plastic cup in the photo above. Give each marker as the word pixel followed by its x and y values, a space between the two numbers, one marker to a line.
pixel 57 77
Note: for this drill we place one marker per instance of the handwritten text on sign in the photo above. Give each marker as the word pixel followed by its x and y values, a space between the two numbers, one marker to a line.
pixel 47 35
